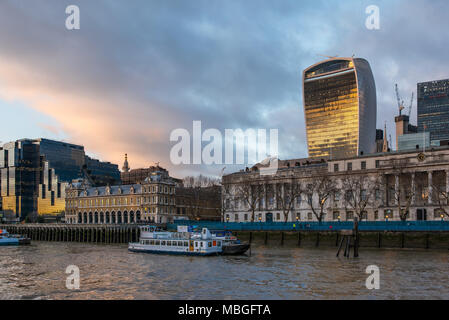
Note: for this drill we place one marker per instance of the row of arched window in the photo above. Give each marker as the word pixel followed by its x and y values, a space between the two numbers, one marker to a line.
pixel 109 217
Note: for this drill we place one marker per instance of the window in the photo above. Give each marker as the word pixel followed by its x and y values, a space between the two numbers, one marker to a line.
pixel 378 194
pixel 336 215
pixel 348 195
pixel 310 215
pixel 337 196
pixel 349 166
pixel 245 217
pixel 236 217
pixel 350 215
pixel 376 215
pixel 209 244
pixel 363 165
pixel 278 216
pixel 336 169
pixel 363 195
pixel 377 164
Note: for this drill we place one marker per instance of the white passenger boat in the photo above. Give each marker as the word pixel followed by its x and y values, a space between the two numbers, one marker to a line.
pixel 154 241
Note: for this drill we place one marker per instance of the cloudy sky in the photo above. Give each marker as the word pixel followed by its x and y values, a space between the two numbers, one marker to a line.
pixel 136 70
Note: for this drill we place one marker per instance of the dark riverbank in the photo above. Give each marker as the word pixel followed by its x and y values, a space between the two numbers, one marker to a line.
pixel 110 234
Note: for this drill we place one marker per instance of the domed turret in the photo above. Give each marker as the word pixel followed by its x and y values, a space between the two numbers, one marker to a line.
pixel 125 167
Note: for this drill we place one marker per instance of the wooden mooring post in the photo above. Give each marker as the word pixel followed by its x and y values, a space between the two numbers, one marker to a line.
pixel 351 237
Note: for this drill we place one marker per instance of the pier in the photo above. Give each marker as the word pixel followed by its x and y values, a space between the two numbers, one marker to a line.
pixel 95 233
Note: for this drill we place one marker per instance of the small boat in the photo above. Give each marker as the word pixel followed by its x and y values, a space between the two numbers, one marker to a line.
pixel 7 239
pixel 153 240
pixel 231 245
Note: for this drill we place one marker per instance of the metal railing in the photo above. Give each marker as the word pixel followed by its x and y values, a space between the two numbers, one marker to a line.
pixel 316 226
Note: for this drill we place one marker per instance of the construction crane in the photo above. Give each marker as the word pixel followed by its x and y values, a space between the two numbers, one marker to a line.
pixel 411 104
pixel 400 102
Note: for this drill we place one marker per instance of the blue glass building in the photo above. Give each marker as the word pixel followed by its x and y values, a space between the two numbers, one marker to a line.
pixel 433 109
pixel 35 172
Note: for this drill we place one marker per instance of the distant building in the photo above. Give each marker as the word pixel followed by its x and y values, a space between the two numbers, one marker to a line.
pixel 199 203
pixel 158 199
pixel 340 108
pixel 414 141
pixel 135 176
pixel 151 201
pixel 379 140
pixel 35 172
pixel 433 109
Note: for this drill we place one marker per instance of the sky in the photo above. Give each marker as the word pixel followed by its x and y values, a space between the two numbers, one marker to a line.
pixel 137 70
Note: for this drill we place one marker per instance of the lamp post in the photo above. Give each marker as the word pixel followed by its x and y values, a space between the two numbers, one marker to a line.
pixel 260 218
pixel 227 218
pixel 442 217
pixel 339 218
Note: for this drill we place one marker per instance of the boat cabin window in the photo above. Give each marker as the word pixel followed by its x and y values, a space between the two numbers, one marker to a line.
pixel 168 243
pixel 186 244
pixel 201 244
pixel 196 244
pixel 156 242
pixel 218 243
pixel 209 244
pixel 162 243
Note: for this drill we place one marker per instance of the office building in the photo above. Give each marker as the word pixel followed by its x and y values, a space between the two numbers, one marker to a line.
pixel 433 109
pixel 35 172
pixel 340 108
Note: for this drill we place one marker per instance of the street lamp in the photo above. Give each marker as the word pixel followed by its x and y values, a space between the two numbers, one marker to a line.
pixel 442 217
pixel 260 218
pixel 227 218
pixel 386 218
pixel 297 218
pixel 339 218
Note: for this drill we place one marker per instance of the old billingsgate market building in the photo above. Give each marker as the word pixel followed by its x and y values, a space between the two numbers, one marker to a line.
pixel 378 187
pixel 153 200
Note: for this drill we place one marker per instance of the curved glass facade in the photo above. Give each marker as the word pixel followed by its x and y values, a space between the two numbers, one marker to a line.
pixel 340 108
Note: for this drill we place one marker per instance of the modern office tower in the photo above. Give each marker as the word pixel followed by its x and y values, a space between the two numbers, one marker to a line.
pixel 414 141
pixel 340 108
pixel 35 173
pixel 433 109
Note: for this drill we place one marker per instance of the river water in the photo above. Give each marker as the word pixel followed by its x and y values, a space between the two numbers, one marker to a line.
pixel 111 272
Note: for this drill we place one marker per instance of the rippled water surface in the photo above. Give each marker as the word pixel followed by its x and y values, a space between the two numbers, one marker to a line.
pixel 111 272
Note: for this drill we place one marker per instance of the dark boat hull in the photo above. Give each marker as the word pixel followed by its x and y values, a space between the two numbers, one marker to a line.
pixel 235 249
pixel 24 241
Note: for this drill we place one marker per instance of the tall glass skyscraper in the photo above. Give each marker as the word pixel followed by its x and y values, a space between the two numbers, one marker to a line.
pixel 340 108
pixel 433 109
pixel 35 172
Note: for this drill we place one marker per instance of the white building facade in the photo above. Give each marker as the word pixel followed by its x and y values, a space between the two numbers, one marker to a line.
pixel 378 187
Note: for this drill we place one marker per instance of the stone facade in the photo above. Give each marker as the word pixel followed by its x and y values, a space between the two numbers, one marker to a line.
pixel 158 199
pixel 377 187
pixel 151 201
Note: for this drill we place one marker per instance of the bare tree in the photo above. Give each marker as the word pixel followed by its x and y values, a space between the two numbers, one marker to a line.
pixel 286 195
pixel 200 181
pixel 403 191
pixel 226 203
pixel 442 197
pixel 250 194
pixel 323 187
pixel 360 193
